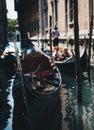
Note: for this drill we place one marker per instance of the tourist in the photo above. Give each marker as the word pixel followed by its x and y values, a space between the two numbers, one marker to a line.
pixel 57 54
pixel 65 53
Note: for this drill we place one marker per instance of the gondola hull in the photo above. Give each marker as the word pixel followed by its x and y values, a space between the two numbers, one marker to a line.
pixel 68 65
pixel 36 73
pixel 40 84
pixel 35 104
pixel 31 84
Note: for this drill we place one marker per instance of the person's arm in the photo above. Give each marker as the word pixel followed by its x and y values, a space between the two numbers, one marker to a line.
pixel 58 33
pixel 28 35
pixel 69 55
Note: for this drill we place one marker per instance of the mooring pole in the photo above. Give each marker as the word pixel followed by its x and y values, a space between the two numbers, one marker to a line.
pixel 50 22
pixel 90 40
pixel 77 57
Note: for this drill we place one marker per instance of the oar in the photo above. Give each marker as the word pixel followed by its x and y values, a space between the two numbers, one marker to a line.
pixel 18 58
pixel 22 81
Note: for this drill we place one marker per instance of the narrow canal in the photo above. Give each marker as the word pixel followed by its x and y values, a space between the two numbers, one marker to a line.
pixel 64 112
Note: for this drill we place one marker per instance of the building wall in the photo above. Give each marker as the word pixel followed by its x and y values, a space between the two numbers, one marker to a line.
pixel 83 14
pixel 66 27
pixel 65 24
pixel 61 17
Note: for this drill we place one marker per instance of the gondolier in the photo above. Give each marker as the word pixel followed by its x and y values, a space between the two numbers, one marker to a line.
pixel 55 36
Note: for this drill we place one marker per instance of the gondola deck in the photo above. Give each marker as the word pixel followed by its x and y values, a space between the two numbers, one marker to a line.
pixel 32 85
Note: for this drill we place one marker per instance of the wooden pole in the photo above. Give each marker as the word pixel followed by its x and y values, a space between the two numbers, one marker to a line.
pixel 77 57
pixel 50 21
pixel 90 40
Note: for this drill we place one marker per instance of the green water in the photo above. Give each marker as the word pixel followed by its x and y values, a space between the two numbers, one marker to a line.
pixel 64 113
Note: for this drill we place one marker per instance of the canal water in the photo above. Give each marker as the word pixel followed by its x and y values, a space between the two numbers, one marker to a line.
pixel 64 113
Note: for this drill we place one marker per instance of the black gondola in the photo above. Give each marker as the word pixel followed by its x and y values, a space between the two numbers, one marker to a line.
pixel 39 74
pixel 32 85
pixel 38 86
pixel 68 65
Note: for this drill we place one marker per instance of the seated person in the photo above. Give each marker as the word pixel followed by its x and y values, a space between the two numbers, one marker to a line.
pixel 65 54
pixel 57 54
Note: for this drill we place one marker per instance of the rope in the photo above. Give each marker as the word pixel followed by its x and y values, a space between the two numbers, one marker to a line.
pixel 34 72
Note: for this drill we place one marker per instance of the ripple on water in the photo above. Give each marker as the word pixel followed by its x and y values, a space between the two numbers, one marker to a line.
pixel 7 102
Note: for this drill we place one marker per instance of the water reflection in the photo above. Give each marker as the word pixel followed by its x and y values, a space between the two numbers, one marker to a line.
pixel 81 115
pixel 19 121
pixel 88 103
pixel 6 97
pixel 62 113
pixel 69 110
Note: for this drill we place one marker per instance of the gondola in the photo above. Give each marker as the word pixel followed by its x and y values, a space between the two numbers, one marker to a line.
pixel 32 85
pixel 39 76
pixel 36 87
pixel 68 65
